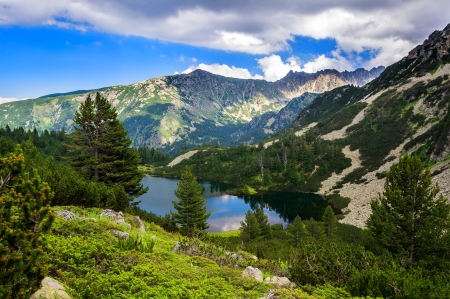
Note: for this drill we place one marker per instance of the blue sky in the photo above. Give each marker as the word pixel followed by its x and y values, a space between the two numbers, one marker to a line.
pixel 64 45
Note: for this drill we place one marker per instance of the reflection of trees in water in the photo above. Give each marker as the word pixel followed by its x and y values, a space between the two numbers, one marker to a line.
pixel 214 187
pixel 289 205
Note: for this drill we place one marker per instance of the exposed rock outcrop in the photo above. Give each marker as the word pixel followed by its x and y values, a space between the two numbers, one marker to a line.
pixel 253 273
pixel 51 289
pixel 280 282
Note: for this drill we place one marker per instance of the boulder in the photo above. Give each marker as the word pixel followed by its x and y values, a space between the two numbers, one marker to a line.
pixel 118 217
pixel 51 289
pixel 68 215
pixel 139 223
pixel 254 273
pixel 280 282
pixel 120 234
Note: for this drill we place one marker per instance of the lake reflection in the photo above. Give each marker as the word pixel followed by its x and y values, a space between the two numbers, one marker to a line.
pixel 227 211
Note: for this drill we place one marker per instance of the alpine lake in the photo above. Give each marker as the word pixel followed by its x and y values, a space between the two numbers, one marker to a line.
pixel 227 211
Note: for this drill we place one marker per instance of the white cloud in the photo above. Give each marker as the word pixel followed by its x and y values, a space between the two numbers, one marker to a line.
pixel 223 70
pixel 7 100
pixel 274 68
pixel 264 27
pixel 322 62
pixel 194 59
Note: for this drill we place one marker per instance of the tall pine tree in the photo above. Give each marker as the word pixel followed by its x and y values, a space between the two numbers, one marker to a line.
pixel 101 148
pixel 410 218
pixel 191 212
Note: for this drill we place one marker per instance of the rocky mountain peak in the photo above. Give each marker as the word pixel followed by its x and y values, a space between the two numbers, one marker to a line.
pixel 437 44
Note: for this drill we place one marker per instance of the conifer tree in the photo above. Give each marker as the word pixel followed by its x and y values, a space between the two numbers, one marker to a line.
pixel 191 212
pixel 297 230
pixel 249 227
pixel 410 217
pixel 314 229
pixel 263 222
pixel 330 222
pixel 24 214
pixel 101 147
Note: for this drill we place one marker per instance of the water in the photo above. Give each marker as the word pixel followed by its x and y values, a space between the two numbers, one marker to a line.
pixel 227 211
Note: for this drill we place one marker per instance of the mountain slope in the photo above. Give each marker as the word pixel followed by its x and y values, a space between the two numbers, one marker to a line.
pixel 407 108
pixel 181 110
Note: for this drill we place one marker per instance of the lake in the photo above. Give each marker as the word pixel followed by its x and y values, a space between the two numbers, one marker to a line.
pixel 227 211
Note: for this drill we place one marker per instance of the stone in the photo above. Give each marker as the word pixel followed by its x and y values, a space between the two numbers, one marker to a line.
pixel 118 217
pixel 51 289
pixel 253 273
pixel 66 215
pixel 280 282
pixel 120 234
pixel 139 223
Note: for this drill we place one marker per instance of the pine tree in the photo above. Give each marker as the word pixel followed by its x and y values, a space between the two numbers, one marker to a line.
pixel 101 147
pixel 330 222
pixel 24 214
pixel 191 206
pixel 297 229
pixel 263 222
pixel 249 227
pixel 410 218
pixel 314 229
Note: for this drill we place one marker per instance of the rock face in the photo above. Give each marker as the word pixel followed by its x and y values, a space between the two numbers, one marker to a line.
pixel 280 282
pixel 51 289
pixel 253 273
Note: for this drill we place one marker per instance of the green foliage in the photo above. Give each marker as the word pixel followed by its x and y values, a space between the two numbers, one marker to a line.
pixel 297 230
pixel 263 222
pixel 410 218
pixel 24 214
pixel 100 147
pixel 136 242
pixel 152 156
pixel 191 212
pixel 330 222
pixel 337 201
pixel 249 227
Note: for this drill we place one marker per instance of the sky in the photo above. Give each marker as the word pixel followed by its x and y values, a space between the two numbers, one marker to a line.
pixel 52 46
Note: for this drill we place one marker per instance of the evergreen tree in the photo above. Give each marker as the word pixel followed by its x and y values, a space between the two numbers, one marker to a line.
pixel 24 214
pixel 410 218
pixel 314 229
pixel 101 147
pixel 249 227
pixel 330 222
pixel 297 230
pixel 191 206
pixel 263 222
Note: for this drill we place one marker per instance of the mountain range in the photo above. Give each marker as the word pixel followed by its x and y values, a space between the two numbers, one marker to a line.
pixel 186 110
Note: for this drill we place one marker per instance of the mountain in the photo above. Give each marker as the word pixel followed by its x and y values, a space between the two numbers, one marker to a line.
pixel 405 109
pixel 342 144
pixel 185 110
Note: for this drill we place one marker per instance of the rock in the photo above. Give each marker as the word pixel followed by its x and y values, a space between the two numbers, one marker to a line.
pixel 176 248
pixel 67 215
pixel 280 282
pixel 254 273
pixel 115 216
pixel 139 223
pixel 119 233
pixel 51 289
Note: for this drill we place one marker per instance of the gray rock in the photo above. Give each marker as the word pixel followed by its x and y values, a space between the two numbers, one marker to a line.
pixel 280 282
pixel 118 217
pixel 139 223
pixel 254 273
pixel 66 215
pixel 51 289
pixel 120 234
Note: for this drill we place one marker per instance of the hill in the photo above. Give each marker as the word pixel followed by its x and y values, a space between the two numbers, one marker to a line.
pixel 189 109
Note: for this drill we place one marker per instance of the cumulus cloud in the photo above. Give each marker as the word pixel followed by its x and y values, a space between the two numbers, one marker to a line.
pixel 389 28
pixel 223 70
pixel 274 68
pixel 7 100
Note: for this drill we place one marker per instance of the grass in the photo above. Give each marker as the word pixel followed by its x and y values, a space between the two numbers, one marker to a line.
pixel 230 233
